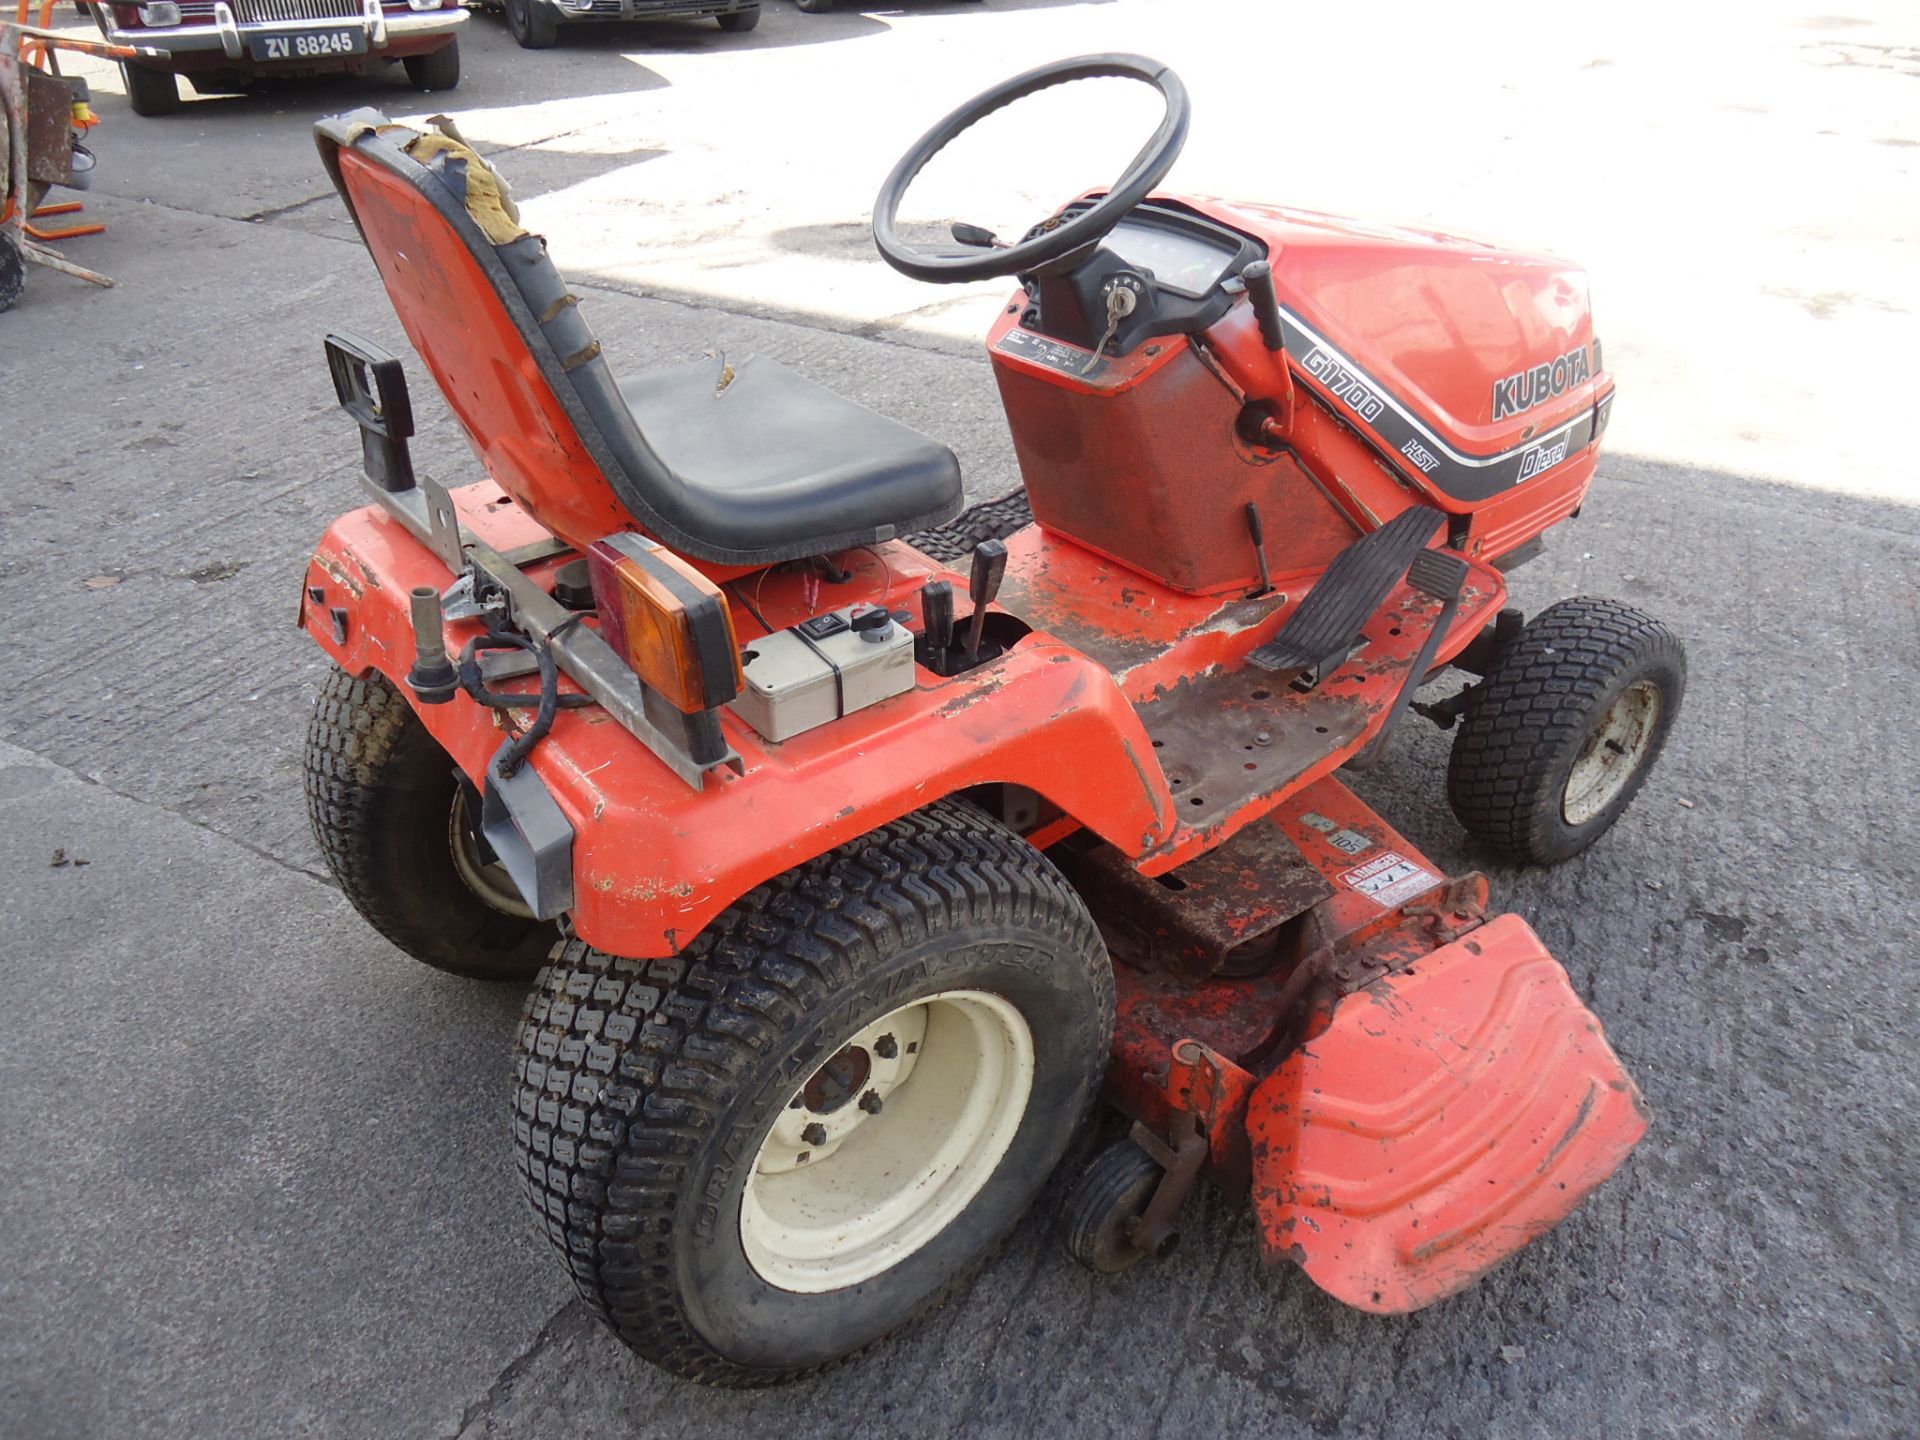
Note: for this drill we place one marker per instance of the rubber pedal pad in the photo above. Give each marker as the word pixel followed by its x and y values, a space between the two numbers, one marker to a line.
pixel 1349 592
pixel 1438 573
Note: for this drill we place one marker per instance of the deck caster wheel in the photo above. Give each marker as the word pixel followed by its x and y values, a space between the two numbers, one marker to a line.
pixel 1564 731
pixel 819 1120
pixel 396 828
pixel 1097 1220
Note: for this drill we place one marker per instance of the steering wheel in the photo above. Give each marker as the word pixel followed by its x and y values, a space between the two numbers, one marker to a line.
pixel 1053 242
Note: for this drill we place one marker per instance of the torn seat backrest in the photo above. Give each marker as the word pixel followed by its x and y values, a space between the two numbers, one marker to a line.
pixel 493 321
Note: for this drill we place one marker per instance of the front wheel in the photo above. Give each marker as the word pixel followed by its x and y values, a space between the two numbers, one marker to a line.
pixel 1564 731
pixel 739 21
pixel 436 70
pixel 815 7
pixel 815 1124
pixel 398 831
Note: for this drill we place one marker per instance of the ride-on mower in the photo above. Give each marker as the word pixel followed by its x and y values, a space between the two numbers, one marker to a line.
pixel 881 843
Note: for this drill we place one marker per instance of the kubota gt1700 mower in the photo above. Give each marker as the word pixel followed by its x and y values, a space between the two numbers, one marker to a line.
pixel 882 844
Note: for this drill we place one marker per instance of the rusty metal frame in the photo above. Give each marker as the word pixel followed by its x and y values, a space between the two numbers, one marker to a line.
pixel 427 511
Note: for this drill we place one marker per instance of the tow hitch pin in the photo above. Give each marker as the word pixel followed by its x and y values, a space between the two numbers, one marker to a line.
pixel 432 677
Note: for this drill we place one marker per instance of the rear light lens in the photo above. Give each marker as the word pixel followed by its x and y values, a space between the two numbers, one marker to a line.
pixel 666 620
pixel 160 13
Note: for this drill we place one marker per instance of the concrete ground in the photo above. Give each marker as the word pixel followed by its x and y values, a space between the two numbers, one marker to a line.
pixel 256 1174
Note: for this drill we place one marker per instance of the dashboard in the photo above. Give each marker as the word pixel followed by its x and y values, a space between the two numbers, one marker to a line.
pixel 1178 259
pixel 1177 269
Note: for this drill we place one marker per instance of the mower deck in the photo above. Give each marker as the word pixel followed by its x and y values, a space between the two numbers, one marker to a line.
pixel 1444 1117
pixel 1446 1097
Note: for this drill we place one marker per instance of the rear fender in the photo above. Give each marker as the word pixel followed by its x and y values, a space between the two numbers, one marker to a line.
pixel 655 859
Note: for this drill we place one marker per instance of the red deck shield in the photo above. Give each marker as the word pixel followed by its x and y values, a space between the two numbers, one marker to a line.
pixel 1446 1116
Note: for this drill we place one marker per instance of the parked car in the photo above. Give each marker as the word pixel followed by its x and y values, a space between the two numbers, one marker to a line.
pixel 224 45
pixel 536 23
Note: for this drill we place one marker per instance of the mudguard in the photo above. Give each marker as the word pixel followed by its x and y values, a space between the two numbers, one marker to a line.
pixel 1445 1116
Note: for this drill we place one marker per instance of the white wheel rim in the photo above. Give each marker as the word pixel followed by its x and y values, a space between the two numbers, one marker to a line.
pixel 1615 748
pixel 843 1187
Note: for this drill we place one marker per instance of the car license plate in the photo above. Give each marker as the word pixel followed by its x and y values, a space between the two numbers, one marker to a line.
pixel 307 44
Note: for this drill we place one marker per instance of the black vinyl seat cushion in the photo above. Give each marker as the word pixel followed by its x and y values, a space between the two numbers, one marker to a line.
pixel 768 457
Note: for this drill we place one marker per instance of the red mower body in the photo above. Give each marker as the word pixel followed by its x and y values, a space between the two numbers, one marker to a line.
pixel 1434 369
pixel 1453 1098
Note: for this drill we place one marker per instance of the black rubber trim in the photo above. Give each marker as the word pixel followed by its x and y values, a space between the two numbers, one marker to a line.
pixel 1347 595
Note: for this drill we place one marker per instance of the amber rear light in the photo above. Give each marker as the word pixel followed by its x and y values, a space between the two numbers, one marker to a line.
pixel 666 620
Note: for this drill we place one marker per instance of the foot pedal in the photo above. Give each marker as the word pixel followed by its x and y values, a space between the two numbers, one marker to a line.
pixel 1347 595
pixel 1439 575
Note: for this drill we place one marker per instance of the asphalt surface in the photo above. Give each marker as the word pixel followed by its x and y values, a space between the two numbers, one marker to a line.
pixel 256 1168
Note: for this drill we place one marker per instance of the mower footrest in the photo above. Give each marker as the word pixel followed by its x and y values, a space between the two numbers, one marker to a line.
pixel 1354 586
pixel 1445 1117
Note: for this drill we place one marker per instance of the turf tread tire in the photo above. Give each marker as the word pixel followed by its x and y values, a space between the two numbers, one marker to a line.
pixel 624 1068
pixel 374 779
pixel 1507 773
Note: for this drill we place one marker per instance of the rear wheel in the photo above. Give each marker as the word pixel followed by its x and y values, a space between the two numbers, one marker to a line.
pixel 437 70
pixel 1563 733
pixel 398 832
pixel 150 92
pixel 816 1123
pixel 740 20
pixel 531 24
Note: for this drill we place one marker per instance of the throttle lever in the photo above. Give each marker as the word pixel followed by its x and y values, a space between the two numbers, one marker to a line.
pixel 989 568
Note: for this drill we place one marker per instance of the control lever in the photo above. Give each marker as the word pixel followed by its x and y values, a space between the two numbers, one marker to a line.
pixel 1266 303
pixel 936 604
pixel 976 235
pixel 989 568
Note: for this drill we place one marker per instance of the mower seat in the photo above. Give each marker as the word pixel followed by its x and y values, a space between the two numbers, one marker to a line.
pixel 772 455
pixel 741 466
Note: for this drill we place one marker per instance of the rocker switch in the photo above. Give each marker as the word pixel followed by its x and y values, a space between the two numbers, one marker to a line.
pixel 821 626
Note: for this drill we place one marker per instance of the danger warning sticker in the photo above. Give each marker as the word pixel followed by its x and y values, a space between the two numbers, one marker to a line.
pixel 1390 879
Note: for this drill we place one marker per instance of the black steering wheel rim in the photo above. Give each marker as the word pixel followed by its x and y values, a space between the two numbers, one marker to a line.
pixel 1147 170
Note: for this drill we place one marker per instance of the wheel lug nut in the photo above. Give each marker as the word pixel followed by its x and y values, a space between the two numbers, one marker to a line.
pixel 814 1134
pixel 886 1047
pixel 870 1102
